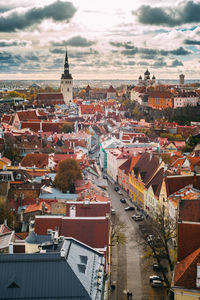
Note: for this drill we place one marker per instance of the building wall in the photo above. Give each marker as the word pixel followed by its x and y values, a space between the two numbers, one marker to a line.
pixel 113 164
pixel 160 103
pixel 185 101
pixel 136 189
pixel 103 158
pixel 123 180
pixel 181 294
pixel 150 202
pixel 67 90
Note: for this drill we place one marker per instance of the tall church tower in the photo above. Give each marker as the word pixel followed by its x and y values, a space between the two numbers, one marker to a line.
pixel 66 83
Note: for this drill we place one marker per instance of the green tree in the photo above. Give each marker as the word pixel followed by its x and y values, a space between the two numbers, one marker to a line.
pixel 14 94
pixel 66 127
pixel 67 173
pixel 13 153
pixel 5 214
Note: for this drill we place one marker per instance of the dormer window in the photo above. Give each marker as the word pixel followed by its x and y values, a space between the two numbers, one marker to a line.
pixel 13 285
pixel 19 176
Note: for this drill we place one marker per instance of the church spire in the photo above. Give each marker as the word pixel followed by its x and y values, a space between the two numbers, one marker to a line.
pixel 66 74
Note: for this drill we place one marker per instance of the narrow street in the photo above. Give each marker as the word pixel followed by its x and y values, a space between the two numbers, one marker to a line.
pixel 131 270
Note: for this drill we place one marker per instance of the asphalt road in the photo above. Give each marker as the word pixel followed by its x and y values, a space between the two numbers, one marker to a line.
pixel 133 271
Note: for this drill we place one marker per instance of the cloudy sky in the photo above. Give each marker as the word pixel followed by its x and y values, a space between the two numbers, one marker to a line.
pixel 105 39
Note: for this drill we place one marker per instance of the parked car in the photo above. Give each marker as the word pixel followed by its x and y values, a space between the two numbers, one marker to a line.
pixel 116 188
pixel 122 200
pixel 157 283
pixel 113 212
pixel 137 218
pixel 120 193
pixel 158 268
pixel 129 208
pixel 154 277
pixel 105 177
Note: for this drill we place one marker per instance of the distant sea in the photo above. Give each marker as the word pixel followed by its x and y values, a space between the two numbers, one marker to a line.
pixel 10 84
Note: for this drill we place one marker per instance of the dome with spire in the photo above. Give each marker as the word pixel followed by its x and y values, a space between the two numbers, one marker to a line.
pixel 153 77
pixel 140 77
pixel 147 72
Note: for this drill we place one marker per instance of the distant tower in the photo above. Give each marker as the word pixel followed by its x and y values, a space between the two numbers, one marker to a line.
pixel 147 75
pixel 181 79
pixel 66 83
pixel 140 80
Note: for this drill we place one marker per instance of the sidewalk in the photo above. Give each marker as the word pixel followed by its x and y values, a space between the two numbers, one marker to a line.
pixel 114 273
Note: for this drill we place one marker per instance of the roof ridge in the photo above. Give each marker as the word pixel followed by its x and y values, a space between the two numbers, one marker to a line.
pixel 186 267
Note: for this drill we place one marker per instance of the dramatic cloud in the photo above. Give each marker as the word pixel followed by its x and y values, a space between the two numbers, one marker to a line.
pixel 4 8
pixel 77 41
pixel 57 11
pixel 191 42
pixel 131 50
pixel 80 54
pixel 159 64
pixel 185 14
pixel 12 43
pixel 176 63
pixel 57 51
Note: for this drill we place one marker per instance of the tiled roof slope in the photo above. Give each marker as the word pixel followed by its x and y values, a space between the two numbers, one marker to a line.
pixel 91 231
pixel 27 115
pixel 37 159
pixel 175 183
pixel 189 211
pixel 156 182
pixel 146 166
pixel 187 239
pixel 186 271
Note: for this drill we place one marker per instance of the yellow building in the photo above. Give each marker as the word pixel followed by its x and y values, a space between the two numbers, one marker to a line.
pixel 4 163
pixel 142 174
pixel 136 188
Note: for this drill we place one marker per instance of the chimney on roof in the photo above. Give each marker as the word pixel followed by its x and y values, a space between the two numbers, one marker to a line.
pixel 198 276
pixel 195 180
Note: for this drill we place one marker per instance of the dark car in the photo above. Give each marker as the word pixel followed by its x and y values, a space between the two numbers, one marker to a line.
pixel 158 268
pixel 122 200
pixel 129 208
pixel 105 177
pixel 116 188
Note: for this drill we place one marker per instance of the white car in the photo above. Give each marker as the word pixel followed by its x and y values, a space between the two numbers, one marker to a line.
pixel 157 283
pixel 113 211
pixel 154 277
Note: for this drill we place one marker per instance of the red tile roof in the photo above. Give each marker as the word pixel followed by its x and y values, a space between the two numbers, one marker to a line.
pixel 139 89
pixel 186 271
pixel 187 239
pixel 39 160
pixel 90 109
pixel 27 115
pixel 49 96
pixel 175 183
pixel 111 89
pixel 34 126
pixel 91 231
pixel 89 209
pixel 37 207
pixel 189 211
pixel 160 94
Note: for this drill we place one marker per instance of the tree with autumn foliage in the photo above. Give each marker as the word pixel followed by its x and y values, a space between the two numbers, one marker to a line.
pixel 68 172
pixel 66 127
